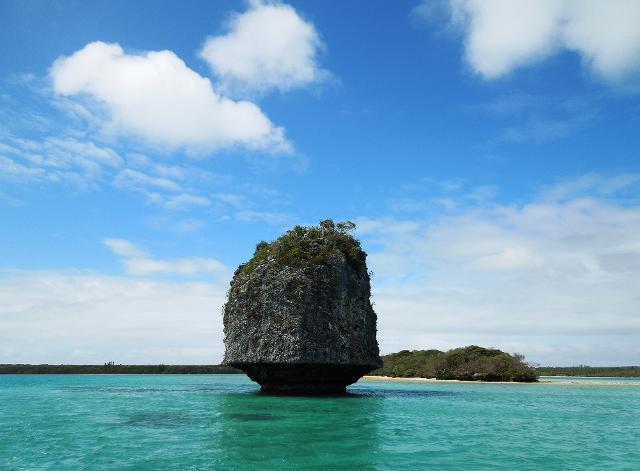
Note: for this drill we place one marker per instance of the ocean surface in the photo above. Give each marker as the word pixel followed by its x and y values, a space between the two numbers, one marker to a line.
pixel 195 422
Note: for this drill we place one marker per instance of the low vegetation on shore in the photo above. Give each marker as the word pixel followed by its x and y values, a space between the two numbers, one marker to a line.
pixel 110 368
pixel 591 371
pixel 404 364
pixel 470 363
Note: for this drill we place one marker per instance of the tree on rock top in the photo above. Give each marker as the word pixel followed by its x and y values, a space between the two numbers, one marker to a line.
pixel 310 245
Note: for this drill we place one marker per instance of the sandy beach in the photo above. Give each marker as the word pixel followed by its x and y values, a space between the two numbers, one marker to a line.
pixel 545 382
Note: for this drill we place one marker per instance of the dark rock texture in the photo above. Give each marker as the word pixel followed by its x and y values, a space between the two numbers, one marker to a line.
pixel 298 318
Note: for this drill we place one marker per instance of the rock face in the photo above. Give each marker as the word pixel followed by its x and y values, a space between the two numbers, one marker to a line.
pixel 298 318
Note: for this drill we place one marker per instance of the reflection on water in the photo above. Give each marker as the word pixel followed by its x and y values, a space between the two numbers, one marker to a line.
pixel 289 431
pixel 390 393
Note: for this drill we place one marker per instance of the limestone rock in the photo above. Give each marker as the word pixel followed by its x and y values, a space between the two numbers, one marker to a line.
pixel 298 317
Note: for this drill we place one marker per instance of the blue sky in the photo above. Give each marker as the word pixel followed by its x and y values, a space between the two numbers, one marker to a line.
pixel 488 153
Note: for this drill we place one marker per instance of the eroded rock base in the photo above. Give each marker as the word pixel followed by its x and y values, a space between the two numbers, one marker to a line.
pixel 304 378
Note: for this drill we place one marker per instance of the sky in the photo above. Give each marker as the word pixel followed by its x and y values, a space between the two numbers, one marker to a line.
pixel 488 151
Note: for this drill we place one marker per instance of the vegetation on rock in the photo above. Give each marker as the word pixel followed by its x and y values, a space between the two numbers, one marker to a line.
pixel 470 363
pixel 309 246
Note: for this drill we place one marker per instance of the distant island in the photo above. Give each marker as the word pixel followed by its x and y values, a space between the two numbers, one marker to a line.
pixel 404 364
pixel 470 363
pixel 475 363
pixel 591 371
pixel 111 368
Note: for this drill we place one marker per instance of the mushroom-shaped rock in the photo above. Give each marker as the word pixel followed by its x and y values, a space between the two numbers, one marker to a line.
pixel 298 318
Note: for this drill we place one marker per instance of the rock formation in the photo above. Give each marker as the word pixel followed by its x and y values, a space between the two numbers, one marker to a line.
pixel 298 317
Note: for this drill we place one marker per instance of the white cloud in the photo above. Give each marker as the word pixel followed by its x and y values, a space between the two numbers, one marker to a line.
pixel 52 317
pixel 12 170
pixel 268 46
pixel 161 190
pixel 591 183
pixel 155 96
pixel 134 179
pixel 170 171
pixel 86 165
pixel 68 160
pixel 86 149
pixel 507 258
pixel 89 165
pixel 555 277
pixel 558 273
pixel 268 217
pixel 186 200
pixel 232 199
pixel 502 35
pixel 137 262
pixel 124 248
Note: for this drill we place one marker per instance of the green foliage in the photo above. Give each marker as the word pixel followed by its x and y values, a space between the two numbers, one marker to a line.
pixel 262 245
pixel 484 364
pixel 591 371
pixel 304 246
pixel 409 364
pixel 111 368
pixel 327 224
pixel 345 226
pixel 471 363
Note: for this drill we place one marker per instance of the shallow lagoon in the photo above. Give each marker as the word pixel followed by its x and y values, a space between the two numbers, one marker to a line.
pixel 222 422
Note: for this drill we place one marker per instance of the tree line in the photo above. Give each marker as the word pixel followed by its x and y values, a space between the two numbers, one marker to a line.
pixel 111 368
pixel 590 371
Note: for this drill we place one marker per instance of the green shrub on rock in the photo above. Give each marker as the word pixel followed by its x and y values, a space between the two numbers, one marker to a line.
pixel 306 246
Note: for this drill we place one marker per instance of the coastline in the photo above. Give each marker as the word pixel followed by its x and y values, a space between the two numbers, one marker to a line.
pixel 456 381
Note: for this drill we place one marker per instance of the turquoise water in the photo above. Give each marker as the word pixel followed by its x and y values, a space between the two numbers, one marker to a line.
pixel 222 422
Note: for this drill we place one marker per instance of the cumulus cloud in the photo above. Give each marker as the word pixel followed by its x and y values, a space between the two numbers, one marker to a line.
pixel 155 96
pixel 84 317
pixel 267 47
pixel 556 273
pixel 137 262
pixel 502 35
pixel 79 317
pixel 554 277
